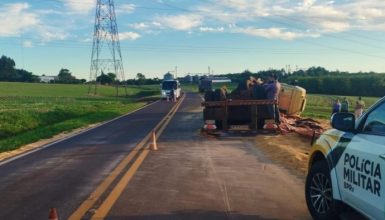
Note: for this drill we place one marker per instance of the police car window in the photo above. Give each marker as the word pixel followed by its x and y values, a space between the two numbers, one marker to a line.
pixel 375 122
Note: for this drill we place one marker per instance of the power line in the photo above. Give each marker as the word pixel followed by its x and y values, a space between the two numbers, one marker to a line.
pixel 308 42
pixel 306 23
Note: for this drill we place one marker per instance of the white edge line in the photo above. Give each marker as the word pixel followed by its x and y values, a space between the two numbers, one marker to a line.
pixel 69 137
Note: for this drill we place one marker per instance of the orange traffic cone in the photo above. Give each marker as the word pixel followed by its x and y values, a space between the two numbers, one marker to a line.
pixel 153 145
pixel 53 214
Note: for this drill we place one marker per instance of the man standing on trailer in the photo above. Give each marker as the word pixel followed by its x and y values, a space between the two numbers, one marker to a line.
pixel 272 88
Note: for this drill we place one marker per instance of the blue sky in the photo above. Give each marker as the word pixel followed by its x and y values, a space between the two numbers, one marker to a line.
pixel 44 36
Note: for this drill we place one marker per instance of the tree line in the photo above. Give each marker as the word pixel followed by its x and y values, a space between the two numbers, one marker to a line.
pixel 314 79
pixel 9 73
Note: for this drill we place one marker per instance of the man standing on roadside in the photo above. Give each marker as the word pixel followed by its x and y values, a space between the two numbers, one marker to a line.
pixel 172 94
pixel 359 108
pixel 336 107
pixel 272 88
pixel 345 105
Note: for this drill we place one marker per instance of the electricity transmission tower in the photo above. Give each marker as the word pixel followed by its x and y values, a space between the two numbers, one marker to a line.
pixel 106 54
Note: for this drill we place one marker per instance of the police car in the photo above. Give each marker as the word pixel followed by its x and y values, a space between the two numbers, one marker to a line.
pixel 347 166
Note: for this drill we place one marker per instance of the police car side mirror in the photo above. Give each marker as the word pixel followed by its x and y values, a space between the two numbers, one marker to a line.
pixel 343 121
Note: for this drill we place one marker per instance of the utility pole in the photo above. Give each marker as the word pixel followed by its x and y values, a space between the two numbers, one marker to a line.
pixel 176 72
pixel 106 54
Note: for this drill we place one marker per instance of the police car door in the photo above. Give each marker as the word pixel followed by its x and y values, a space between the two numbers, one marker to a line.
pixel 362 166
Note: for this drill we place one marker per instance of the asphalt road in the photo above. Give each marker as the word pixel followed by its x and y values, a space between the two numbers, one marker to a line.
pixel 196 177
pixel 64 174
pixel 190 177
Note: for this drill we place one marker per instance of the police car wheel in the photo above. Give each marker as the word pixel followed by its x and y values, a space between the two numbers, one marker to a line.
pixel 319 193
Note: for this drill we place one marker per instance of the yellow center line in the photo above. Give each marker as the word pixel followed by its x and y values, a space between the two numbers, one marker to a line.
pixel 87 204
pixel 102 212
pixel 94 197
pixel 106 206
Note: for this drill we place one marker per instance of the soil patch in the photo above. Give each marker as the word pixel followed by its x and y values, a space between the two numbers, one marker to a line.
pixel 290 150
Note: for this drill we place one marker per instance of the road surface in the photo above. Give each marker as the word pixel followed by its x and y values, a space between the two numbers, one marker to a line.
pixel 189 177
pixel 195 177
pixel 65 174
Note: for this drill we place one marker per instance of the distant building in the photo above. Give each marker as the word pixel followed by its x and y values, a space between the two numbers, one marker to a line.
pixel 168 76
pixel 48 79
pixel 208 82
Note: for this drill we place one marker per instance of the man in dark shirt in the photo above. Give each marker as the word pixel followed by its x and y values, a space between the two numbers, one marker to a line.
pixel 259 93
pixel 272 88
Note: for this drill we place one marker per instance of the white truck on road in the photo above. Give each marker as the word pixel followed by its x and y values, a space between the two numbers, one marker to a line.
pixel 170 85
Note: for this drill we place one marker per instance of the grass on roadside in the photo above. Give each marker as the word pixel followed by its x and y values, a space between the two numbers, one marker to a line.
pixel 30 112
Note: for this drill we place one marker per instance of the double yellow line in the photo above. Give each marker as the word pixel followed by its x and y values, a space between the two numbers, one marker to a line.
pixel 105 207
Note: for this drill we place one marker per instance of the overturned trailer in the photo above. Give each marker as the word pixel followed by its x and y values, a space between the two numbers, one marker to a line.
pixel 246 105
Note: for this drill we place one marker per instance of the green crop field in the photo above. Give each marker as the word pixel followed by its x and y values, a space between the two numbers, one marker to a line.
pixel 320 106
pixel 30 111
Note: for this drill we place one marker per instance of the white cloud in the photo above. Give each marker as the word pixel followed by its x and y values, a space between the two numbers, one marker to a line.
pixel 18 18
pixel 180 22
pixel 80 6
pixel 211 29
pixel 15 19
pixel 52 33
pixel 27 44
pixel 237 4
pixel 273 33
pixel 367 15
pixel 139 26
pixel 125 9
pixel 278 19
pixel 129 36
pixel 334 26
pixel 308 3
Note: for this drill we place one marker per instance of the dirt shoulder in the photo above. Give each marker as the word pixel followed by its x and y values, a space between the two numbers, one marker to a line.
pixel 290 150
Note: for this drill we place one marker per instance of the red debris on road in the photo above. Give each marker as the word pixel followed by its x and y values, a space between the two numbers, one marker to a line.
pixel 303 126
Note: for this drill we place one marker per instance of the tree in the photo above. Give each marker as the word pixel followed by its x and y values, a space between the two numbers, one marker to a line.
pixel 105 79
pixel 25 76
pixel 141 78
pixel 65 76
pixel 112 76
pixel 7 69
pixel 246 74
